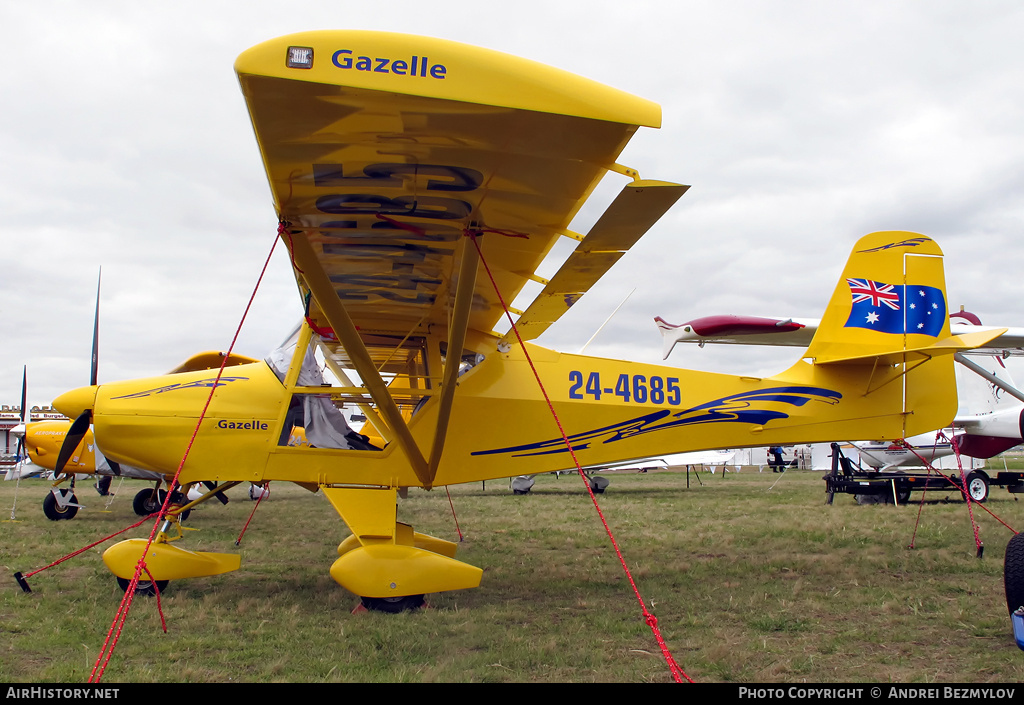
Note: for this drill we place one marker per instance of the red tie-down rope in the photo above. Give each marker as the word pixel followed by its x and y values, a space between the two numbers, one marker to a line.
pixel 116 627
pixel 23 579
pixel 266 491
pixel 962 487
pixel 650 619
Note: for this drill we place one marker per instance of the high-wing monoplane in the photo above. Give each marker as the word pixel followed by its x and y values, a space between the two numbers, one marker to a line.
pixel 418 185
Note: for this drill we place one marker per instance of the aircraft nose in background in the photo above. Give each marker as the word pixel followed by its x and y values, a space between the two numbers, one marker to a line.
pixel 73 403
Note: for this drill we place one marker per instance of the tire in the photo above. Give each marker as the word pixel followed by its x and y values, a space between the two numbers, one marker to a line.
pixel 55 512
pixel 143 587
pixel 1013 573
pixel 393 605
pixel 144 504
pixel 977 486
pixel 902 496
pixel 180 499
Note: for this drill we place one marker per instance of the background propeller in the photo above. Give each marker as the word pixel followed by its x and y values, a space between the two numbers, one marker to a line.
pixel 81 425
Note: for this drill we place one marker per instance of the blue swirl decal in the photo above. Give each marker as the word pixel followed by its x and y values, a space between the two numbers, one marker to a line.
pixel 736 408
pixel 211 382
pixel 909 242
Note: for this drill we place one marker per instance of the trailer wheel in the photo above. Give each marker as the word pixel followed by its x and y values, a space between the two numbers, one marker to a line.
pixel 977 487
pixel 1013 573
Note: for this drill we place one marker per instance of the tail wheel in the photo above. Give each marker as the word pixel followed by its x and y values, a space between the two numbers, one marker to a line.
pixel 393 605
pixel 143 587
pixel 1013 573
pixel 55 512
pixel 977 487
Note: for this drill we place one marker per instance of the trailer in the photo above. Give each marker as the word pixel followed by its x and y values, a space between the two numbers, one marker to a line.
pixel 896 485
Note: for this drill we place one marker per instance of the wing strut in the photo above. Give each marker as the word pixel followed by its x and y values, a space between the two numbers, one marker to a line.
pixel 456 342
pixel 327 299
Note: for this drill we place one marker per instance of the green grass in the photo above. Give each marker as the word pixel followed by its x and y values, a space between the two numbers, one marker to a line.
pixel 749 584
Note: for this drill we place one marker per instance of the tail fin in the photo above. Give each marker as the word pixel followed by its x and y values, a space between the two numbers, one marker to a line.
pixel 890 306
pixel 886 332
pixel 670 335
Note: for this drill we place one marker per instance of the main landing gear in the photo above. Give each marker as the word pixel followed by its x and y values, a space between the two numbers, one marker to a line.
pixel 393 605
pixel 143 587
pixel 164 561
pixel 148 502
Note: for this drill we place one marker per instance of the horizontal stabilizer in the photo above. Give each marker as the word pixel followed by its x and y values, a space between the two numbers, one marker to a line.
pixel 637 207
pixel 947 346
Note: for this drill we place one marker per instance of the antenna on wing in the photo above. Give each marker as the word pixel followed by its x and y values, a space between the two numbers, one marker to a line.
pixel 606 321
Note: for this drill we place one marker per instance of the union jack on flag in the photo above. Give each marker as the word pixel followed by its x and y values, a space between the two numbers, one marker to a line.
pixel 896 308
pixel 879 294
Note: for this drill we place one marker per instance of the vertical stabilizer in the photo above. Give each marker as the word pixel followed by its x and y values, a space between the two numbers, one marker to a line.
pixel 891 299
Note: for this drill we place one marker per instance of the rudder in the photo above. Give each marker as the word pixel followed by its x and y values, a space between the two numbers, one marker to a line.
pixel 890 299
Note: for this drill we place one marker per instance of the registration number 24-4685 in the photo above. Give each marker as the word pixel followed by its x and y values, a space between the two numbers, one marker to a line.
pixel 636 388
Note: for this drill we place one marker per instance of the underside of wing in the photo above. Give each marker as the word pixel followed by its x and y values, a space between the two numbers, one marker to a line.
pixel 384 151
pixel 419 184
pixel 385 172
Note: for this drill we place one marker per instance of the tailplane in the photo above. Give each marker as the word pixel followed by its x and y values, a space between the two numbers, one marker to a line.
pixel 885 335
pixel 890 306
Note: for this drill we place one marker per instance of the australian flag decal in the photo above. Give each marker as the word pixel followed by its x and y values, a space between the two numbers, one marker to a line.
pixel 894 308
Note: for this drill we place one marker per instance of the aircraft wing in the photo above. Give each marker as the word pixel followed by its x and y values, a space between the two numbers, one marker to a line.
pixel 388 149
pixel 798 332
pixel 391 157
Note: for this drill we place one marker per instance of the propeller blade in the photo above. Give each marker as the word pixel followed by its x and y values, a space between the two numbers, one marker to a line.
pixel 96 334
pixel 24 410
pixel 24 394
pixel 71 441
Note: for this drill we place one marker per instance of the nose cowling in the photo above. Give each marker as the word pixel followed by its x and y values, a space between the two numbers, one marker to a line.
pixel 73 403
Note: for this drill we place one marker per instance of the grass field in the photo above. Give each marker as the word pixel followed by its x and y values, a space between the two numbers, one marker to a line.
pixel 749 582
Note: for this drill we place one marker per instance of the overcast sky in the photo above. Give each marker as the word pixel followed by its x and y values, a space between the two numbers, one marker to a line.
pixel 124 143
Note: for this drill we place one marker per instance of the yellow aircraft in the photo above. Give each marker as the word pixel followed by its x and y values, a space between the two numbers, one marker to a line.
pixel 68 450
pixel 418 185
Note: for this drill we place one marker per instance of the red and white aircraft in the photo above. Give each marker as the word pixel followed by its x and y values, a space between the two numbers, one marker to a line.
pixel 991 416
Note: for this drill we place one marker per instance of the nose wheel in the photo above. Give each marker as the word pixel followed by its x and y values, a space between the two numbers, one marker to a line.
pixel 56 510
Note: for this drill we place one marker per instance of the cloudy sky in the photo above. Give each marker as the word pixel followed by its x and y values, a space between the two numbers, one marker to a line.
pixel 124 143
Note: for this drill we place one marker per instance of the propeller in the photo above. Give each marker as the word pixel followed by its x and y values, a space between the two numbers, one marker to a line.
pixel 73 439
pixel 24 411
pixel 19 431
pixel 81 424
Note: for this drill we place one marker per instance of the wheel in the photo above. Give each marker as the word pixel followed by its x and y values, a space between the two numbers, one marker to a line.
pixel 143 587
pixel 977 487
pixel 392 605
pixel 1013 573
pixel 145 504
pixel 902 495
pixel 179 499
pixel 55 512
